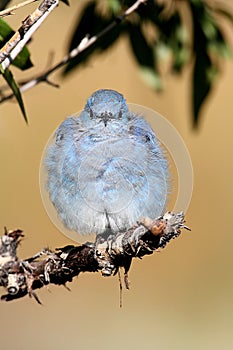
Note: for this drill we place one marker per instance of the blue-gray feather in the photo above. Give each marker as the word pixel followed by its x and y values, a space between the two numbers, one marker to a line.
pixel 106 168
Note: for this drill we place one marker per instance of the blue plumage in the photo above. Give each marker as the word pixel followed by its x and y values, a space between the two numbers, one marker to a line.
pixel 105 168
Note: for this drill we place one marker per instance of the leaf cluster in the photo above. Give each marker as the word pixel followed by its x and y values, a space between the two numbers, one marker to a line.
pixel 175 32
pixel 171 33
pixel 22 61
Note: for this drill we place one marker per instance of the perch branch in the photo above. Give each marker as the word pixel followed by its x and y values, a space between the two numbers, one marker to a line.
pixel 31 23
pixel 23 277
pixel 10 10
pixel 85 43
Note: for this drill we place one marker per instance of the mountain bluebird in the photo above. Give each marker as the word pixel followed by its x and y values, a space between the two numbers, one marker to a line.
pixel 105 168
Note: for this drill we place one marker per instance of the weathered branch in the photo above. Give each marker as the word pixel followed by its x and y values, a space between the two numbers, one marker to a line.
pixel 15 45
pixel 23 277
pixel 85 43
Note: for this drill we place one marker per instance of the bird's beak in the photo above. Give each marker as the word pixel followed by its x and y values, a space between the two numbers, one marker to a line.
pixel 105 119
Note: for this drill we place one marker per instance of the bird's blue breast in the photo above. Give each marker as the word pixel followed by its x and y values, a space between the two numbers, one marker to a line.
pixel 100 176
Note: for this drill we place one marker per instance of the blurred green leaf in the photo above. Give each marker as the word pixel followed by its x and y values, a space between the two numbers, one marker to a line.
pixel 219 45
pixel 201 84
pixel 145 56
pixel 201 81
pixel 173 35
pixel 152 78
pixel 212 74
pixel 157 31
pixel 208 24
pixel 5 30
pixel 114 6
pixel 66 2
pixel 91 23
pixel 151 11
pixel 8 76
pixel 143 51
pixel 209 45
pixel 22 61
pixel 180 59
pixel 3 4
pixel 162 51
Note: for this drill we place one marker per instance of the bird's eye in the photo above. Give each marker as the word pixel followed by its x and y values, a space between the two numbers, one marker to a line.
pixel 91 114
pixel 59 138
pixel 148 138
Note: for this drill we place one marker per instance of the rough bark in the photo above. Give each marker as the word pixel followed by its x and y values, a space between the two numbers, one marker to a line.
pixel 23 277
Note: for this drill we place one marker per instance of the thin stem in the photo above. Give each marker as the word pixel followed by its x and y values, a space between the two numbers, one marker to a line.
pixel 84 45
pixel 15 45
pixel 10 10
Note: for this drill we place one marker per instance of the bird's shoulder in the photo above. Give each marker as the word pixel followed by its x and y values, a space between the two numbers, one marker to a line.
pixel 141 130
pixel 72 128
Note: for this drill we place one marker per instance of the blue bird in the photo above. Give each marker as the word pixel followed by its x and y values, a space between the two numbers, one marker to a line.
pixel 105 168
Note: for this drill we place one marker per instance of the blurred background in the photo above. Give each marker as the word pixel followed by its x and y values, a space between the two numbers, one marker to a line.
pixel 180 298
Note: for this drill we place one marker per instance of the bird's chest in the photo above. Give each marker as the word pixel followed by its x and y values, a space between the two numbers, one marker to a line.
pixel 110 164
pixel 104 156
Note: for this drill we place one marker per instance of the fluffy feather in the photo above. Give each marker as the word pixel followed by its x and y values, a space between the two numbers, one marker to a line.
pixel 106 168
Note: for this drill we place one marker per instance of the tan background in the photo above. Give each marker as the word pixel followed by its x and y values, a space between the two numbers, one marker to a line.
pixel 181 298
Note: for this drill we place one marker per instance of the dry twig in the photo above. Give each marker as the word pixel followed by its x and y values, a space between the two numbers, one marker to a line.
pixel 10 10
pixel 85 43
pixel 15 45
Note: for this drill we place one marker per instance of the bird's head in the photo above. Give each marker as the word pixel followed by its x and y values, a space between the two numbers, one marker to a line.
pixel 106 105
